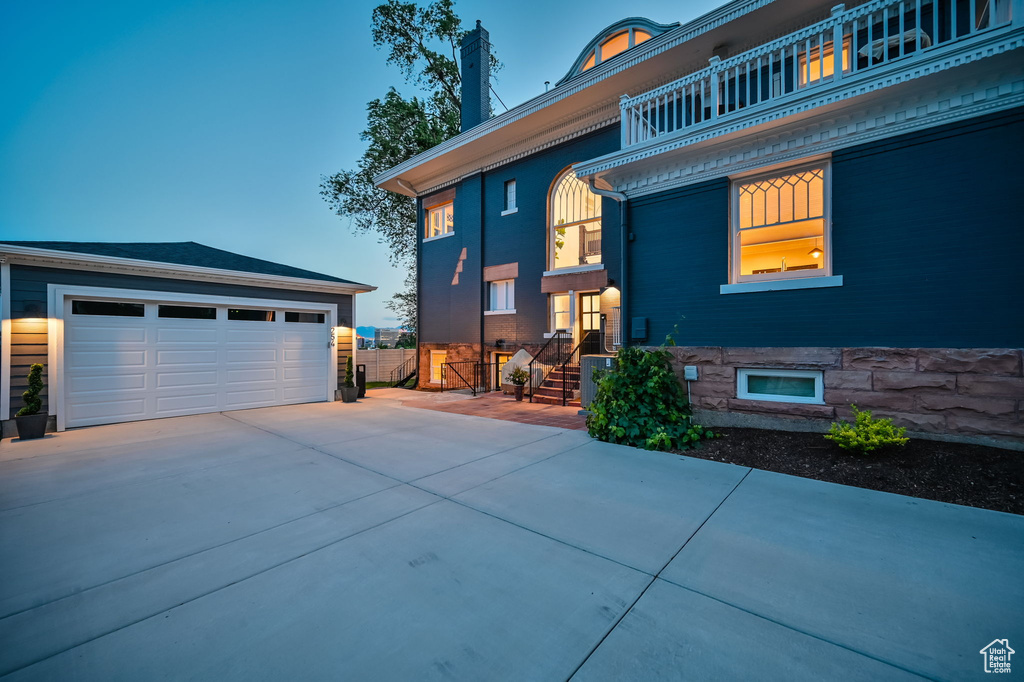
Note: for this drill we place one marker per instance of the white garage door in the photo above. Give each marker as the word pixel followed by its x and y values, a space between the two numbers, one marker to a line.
pixel 129 360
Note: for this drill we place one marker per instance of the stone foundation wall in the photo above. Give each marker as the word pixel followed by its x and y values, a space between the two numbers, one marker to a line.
pixel 973 394
pixel 457 352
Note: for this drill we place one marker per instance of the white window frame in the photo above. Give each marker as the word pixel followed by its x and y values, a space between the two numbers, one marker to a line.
pixel 428 213
pixel 494 295
pixel 510 198
pixel 571 312
pixel 440 367
pixel 735 278
pixel 816 374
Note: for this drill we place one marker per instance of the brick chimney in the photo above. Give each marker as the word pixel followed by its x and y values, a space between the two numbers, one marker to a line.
pixel 476 77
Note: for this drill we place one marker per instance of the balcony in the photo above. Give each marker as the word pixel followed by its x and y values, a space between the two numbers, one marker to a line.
pixel 852 48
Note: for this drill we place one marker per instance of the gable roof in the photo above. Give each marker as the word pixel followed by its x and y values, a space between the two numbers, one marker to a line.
pixel 190 254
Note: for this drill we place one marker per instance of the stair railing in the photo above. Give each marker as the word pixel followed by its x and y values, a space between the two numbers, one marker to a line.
pixel 552 353
pixel 590 344
pixel 402 373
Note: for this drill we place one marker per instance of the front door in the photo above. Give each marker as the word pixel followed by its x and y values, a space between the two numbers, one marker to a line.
pixel 590 320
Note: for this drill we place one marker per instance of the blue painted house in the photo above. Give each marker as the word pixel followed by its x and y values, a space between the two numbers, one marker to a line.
pixel 821 198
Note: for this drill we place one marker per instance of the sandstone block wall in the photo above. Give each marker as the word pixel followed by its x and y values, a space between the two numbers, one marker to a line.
pixel 976 393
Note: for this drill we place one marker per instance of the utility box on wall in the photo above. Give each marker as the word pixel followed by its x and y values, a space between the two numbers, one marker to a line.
pixel 638 329
pixel 588 387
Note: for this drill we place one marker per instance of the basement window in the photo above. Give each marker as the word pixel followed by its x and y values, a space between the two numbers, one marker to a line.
pixel 781 385
pixel 108 308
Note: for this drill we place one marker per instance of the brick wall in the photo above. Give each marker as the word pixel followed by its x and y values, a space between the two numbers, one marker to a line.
pixel 957 393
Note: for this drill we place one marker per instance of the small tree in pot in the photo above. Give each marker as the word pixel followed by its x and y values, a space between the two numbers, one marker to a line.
pixel 518 378
pixel 349 392
pixel 30 423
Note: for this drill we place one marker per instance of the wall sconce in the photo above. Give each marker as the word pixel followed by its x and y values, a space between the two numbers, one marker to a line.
pixel 34 308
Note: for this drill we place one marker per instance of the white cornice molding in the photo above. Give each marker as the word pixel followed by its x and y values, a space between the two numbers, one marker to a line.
pixel 852 125
pixel 642 52
pixel 51 258
pixel 850 87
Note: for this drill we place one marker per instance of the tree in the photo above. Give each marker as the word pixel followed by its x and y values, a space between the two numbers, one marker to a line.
pixel 417 40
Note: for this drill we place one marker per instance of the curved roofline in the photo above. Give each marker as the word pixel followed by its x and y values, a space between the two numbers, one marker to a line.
pixel 652 27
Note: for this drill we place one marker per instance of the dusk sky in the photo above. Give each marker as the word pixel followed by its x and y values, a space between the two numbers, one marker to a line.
pixel 213 121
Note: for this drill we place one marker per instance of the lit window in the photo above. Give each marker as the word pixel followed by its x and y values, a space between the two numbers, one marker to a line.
pixel 440 220
pixel 615 45
pixel 437 360
pixel 780 385
pixel 589 64
pixel 575 238
pixel 822 63
pixel 640 36
pixel 561 314
pixel 510 197
pixel 503 296
pixel 780 226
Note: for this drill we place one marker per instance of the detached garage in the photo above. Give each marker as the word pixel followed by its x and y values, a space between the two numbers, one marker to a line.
pixel 147 330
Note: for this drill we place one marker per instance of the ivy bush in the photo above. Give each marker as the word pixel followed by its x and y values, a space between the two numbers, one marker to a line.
pixel 641 403
pixel 866 433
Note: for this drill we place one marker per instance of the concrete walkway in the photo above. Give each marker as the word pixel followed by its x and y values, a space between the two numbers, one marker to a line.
pixel 373 541
pixel 493 405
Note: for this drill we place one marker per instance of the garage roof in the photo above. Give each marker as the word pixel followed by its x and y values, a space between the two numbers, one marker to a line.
pixel 183 253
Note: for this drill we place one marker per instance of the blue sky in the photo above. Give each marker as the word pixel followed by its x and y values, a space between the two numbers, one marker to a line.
pixel 213 121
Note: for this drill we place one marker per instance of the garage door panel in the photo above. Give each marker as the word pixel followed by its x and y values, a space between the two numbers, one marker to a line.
pixel 188 403
pixel 238 355
pixel 252 398
pixel 106 359
pixel 310 371
pixel 186 357
pixel 112 410
pixel 186 335
pixel 174 379
pixel 105 334
pixel 303 355
pixel 303 393
pixel 235 376
pixel 140 368
pixel 249 336
pixel 86 385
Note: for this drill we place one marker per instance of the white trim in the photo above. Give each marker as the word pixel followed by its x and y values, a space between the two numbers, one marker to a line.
pixel 86 261
pixel 735 255
pixel 430 369
pixel 56 294
pixel 573 269
pixel 782 285
pixel 816 374
pixel 6 329
pixel 500 312
pixel 440 236
pixel 573 86
pixel 510 211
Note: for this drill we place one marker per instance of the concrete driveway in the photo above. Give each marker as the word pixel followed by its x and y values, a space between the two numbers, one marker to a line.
pixel 378 542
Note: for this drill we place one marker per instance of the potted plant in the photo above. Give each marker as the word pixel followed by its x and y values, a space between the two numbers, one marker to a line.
pixel 518 378
pixel 349 392
pixel 30 423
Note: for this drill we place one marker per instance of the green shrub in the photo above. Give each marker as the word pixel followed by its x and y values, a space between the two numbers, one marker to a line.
pixel 866 433
pixel 350 376
pixel 641 403
pixel 518 377
pixel 33 403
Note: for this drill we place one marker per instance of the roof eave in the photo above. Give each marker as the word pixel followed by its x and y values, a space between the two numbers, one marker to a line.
pixel 56 258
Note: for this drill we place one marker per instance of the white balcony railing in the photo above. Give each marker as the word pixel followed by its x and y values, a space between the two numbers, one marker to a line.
pixel 871 35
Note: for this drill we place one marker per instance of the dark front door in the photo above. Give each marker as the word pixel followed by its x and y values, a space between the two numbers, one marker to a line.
pixel 590 321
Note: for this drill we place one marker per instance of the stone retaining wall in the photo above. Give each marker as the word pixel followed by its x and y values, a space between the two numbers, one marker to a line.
pixel 974 394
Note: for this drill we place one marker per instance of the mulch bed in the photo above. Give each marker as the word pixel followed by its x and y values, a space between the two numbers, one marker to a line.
pixel 972 475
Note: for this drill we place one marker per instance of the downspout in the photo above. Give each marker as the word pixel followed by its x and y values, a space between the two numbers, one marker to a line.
pixel 483 285
pixel 419 237
pixel 623 256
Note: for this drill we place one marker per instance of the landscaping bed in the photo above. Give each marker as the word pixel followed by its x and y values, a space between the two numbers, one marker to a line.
pixel 972 475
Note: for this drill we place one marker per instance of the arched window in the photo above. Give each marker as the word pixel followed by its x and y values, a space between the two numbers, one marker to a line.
pixel 575 224
pixel 614 45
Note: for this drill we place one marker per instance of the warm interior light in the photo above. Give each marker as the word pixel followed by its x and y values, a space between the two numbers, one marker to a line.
pixel 815 252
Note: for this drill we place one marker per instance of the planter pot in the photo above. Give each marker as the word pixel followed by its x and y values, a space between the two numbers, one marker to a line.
pixel 31 426
pixel 349 395
pixel 518 392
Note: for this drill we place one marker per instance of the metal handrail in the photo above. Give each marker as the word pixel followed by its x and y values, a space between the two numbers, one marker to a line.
pixel 402 373
pixel 559 340
pixel 592 337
